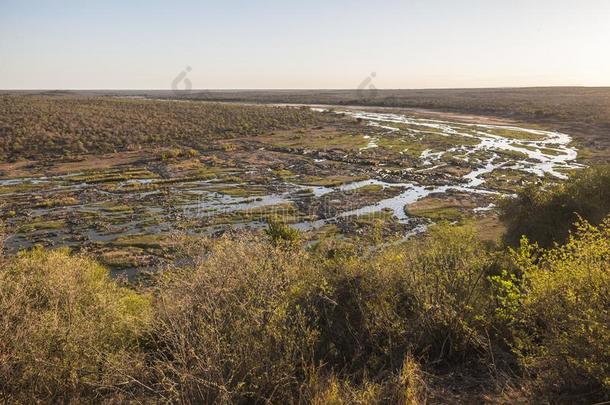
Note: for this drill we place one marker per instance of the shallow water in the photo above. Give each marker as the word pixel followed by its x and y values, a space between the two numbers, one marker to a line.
pixel 559 156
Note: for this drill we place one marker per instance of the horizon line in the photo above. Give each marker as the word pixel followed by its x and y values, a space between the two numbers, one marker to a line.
pixel 303 89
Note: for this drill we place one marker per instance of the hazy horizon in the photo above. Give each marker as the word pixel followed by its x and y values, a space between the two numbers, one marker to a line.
pixel 313 46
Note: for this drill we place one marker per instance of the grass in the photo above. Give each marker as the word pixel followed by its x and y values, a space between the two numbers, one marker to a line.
pixel 514 134
pixel 18 188
pixel 329 181
pixel 369 188
pixel 286 211
pixel 57 202
pixel 284 174
pixel 436 210
pixel 111 176
pixel 512 154
pixel 241 191
pixel 438 214
pixel 317 140
pixel 374 219
pixel 143 241
pixel 41 225
pixel 122 258
pixel 116 209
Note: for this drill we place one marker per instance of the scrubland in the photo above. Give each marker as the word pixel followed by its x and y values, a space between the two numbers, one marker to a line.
pixel 265 317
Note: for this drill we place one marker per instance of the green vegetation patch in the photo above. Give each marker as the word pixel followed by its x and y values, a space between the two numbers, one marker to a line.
pixel 318 140
pixel 112 208
pixel 246 190
pixel 546 214
pixel 41 225
pixel 438 214
pixel 20 188
pixel 513 133
pixel 143 241
pixel 435 210
pixel 330 181
pixel 111 176
pixel 56 202
pixel 369 188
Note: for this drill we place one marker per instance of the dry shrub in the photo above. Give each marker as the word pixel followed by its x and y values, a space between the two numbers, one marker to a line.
pixel 428 297
pixel 66 329
pixel 447 275
pixel 225 327
pixel 250 319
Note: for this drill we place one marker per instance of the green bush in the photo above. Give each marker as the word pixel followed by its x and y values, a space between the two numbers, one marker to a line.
pixel 546 215
pixel 67 329
pixel 559 310
pixel 281 234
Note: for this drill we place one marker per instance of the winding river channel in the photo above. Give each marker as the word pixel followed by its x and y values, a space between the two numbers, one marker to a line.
pixel 544 153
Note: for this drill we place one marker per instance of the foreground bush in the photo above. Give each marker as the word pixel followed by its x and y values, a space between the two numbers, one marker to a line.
pixel 67 329
pixel 425 299
pixel 547 215
pixel 447 274
pixel 253 319
pixel 226 330
pixel 560 311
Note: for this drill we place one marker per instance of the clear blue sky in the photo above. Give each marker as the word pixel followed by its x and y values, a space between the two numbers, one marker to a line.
pixel 307 44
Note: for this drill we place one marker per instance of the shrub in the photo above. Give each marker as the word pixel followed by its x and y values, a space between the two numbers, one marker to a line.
pixel 39 127
pixel 547 215
pixel 560 310
pixel 427 298
pixel 446 276
pixel 224 328
pixel 67 329
pixel 281 234
pixel 248 319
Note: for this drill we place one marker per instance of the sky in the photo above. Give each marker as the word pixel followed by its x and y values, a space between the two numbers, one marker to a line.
pixel 310 44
